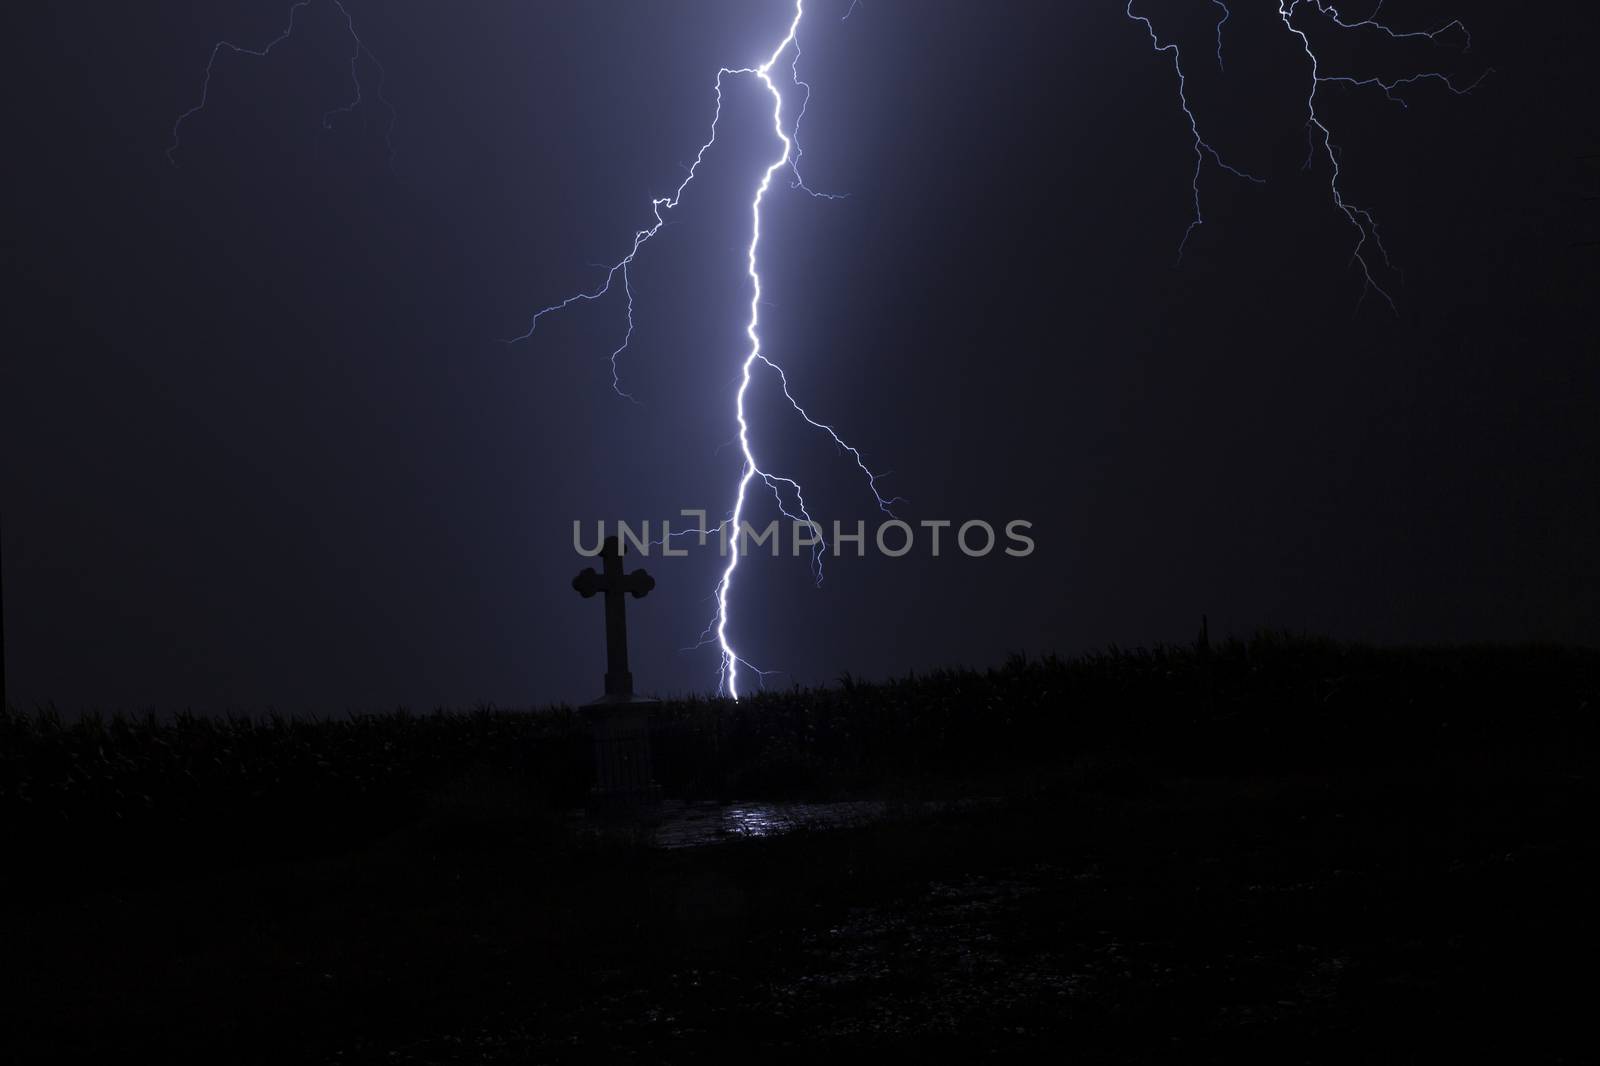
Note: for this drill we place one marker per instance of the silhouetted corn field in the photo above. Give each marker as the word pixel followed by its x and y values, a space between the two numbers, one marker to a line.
pixel 207 787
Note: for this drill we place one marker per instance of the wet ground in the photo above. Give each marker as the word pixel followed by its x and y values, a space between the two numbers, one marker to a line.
pixel 1406 913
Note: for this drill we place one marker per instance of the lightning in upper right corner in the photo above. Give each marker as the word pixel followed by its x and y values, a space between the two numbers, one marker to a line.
pixel 1361 219
pixel 1368 239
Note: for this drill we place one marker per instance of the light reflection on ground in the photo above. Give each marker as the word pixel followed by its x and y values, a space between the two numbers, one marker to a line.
pixel 681 824
pixel 687 825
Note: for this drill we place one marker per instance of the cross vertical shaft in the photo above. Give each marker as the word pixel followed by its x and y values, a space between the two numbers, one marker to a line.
pixel 617 585
pixel 619 679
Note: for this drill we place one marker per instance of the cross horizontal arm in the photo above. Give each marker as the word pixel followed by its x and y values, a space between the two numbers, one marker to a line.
pixel 639 583
pixel 588 583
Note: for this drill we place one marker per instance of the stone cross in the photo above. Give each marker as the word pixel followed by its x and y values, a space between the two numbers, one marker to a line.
pixel 616 585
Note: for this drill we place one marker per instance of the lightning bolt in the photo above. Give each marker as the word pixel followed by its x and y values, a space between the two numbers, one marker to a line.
pixel 1202 148
pixel 356 101
pixel 1361 219
pixel 1226 15
pixel 787 492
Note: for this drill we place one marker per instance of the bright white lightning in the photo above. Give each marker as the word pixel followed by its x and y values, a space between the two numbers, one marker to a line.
pixel 787 159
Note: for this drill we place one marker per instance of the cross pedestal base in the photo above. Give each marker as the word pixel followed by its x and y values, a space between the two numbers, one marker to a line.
pixel 623 773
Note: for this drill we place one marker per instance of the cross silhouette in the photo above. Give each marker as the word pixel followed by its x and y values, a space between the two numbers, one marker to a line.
pixel 616 585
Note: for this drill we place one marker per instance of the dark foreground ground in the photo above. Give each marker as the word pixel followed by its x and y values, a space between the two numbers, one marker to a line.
pixel 1286 851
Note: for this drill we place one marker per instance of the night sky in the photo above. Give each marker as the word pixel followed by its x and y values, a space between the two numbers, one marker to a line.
pixel 264 447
